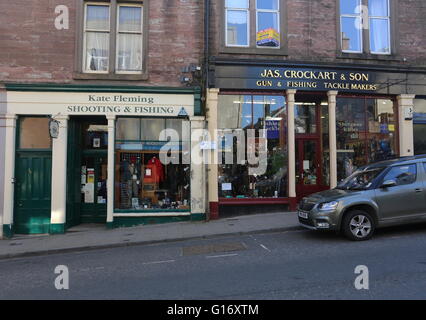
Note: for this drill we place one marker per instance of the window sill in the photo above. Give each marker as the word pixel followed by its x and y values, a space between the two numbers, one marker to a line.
pixel 368 56
pixel 254 51
pixel 254 201
pixel 110 76
pixel 151 213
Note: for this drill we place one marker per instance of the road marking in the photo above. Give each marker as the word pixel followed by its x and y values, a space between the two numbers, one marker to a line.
pixel 159 262
pixel 264 247
pixel 90 269
pixel 222 256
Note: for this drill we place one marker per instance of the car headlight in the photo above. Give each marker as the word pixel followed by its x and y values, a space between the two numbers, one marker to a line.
pixel 326 206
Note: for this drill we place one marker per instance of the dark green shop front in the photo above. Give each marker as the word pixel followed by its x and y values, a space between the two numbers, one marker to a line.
pixel 33 166
pixel 87 170
pixel 84 199
pixel 87 149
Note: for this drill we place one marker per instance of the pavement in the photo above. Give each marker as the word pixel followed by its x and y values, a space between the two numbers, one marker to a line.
pixel 92 237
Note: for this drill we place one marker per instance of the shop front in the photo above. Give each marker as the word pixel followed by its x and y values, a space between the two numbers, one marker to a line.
pixel 419 125
pixel 314 125
pixel 117 156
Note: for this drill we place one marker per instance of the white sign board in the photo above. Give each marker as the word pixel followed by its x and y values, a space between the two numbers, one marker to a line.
pixel 81 103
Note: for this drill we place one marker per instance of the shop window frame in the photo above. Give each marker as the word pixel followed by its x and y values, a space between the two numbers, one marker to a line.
pixel 266 200
pixel 366 53
pixel 396 115
pixel 252 48
pixel 142 212
pixel 112 74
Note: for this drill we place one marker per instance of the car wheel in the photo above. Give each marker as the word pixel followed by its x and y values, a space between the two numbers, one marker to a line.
pixel 358 225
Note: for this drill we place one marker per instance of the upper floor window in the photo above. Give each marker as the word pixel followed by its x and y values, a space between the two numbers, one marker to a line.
pixel 97 36
pixel 253 24
pixel 237 23
pixel 268 23
pixel 129 39
pixel 113 35
pixel 365 26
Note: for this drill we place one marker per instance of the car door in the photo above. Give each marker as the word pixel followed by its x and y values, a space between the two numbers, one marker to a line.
pixel 406 198
pixel 423 165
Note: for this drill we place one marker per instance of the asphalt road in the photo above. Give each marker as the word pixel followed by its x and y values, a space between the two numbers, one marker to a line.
pixel 287 265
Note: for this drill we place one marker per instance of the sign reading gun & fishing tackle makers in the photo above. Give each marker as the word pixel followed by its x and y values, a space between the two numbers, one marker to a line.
pixel 295 78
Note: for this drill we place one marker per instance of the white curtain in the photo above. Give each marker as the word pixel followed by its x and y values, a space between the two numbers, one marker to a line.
pixel 130 39
pixel 129 52
pixel 379 28
pixel 97 48
pixel 97 38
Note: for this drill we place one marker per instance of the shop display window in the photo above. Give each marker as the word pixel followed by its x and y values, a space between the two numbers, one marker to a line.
pixel 236 115
pixel 143 182
pixel 366 133
pixel 419 126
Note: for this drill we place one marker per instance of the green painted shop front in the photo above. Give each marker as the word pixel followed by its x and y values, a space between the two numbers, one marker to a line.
pixel 85 150
pixel 81 209
pixel 33 189
pixel 33 177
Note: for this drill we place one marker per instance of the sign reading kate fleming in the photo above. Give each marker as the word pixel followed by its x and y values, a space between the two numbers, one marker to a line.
pixel 78 103
pixel 238 77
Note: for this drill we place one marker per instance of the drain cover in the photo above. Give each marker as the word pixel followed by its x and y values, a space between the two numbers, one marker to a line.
pixel 213 248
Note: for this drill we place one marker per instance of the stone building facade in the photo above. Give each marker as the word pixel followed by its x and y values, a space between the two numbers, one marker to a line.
pixel 336 84
pixel 89 91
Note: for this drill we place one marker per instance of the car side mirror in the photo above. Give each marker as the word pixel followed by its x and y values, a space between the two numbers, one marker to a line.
pixel 388 184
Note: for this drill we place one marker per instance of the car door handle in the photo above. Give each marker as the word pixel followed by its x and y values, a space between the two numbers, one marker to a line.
pixel 418 190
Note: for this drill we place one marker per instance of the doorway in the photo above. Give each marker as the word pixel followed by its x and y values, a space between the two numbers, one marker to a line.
pixel 87 170
pixel 94 187
pixel 33 176
pixel 311 126
pixel 308 169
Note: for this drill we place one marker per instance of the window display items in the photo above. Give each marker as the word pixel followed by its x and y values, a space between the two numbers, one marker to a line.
pixel 144 183
pixel 237 114
pixel 366 133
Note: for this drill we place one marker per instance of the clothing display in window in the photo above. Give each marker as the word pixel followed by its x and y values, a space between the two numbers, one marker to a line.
pixel 154 171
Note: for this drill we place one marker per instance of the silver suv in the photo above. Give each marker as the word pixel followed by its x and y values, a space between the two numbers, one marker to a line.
pixel 382 194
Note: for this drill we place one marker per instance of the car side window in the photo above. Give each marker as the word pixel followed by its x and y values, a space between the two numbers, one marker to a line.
pixel 402 175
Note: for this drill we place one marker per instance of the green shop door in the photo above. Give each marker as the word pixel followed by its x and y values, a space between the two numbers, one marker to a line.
pixel 94 170
pixel 33 176
pixel 32 192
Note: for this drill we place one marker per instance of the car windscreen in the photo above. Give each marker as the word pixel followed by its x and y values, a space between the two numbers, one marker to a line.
pixel 360 179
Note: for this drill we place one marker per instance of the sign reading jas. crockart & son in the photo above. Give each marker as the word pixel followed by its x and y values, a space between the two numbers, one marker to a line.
pixel 295 78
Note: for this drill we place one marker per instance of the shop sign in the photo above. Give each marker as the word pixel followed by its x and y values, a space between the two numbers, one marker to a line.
pixel 151 145
pixel 53 128
pixel 408 113
pixel 78 103
pixel 296 78
pixel 273 128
